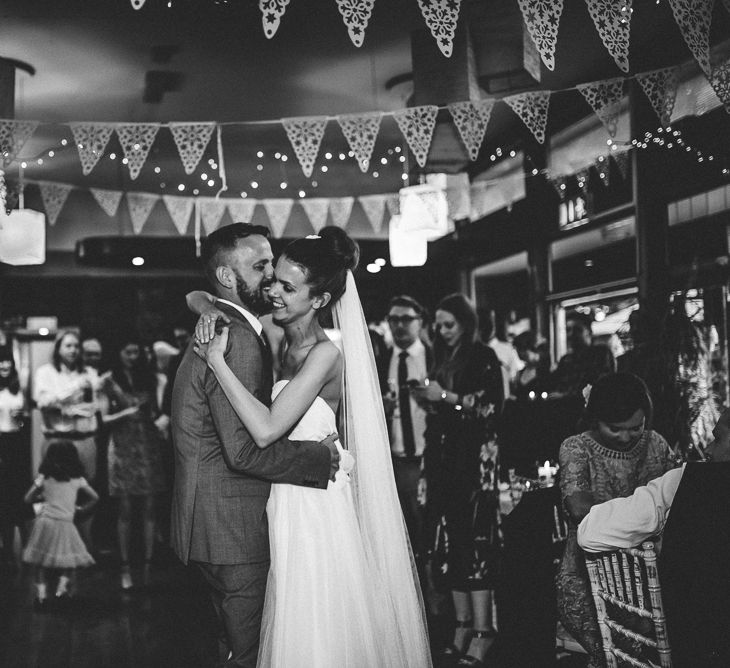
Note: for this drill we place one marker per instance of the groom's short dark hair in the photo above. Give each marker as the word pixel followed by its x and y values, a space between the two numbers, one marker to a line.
pixel 224 239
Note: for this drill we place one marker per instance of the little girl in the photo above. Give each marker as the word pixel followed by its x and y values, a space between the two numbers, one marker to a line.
pixel 55 541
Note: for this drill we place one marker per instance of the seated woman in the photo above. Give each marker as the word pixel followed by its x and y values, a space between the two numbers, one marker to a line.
pixel 615 455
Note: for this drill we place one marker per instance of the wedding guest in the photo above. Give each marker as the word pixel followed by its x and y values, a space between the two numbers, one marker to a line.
pixel 616 454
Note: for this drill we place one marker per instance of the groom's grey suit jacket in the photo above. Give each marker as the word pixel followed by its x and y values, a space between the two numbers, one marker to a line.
pixel 222 479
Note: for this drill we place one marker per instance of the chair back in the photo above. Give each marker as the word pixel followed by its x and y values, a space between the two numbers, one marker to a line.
pixel 625 587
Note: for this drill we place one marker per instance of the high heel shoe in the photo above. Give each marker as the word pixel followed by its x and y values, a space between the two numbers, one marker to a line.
pixel 453 651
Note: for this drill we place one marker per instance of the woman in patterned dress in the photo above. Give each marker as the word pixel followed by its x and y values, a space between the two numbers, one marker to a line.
pixel 618 453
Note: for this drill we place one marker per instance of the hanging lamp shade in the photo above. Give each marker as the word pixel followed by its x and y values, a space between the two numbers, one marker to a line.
pixel 424 208
pixel 408 248
pixel 22 237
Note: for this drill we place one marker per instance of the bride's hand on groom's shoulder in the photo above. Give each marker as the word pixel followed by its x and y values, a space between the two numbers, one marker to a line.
pixel 213 351
pixel 209 324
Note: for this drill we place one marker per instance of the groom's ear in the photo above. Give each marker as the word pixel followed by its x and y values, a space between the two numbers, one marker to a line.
pixel 225 277
pixel 321 300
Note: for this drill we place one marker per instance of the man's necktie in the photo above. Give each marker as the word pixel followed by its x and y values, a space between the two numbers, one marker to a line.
pixel 404 401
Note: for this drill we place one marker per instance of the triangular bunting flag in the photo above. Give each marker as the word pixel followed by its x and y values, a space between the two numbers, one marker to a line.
pixel 108 200
pixel 602 168
pixel 136 140
pixel 356 14
pixel 91 140
pixel 316 209
pixel 305 135
pixel 13 135
pixel 140 206
pixel 542 18
pixel 340 210
pixel 138 4
pixel 621 158
pixel 612 19
pixel 660 87
pixel 278 211
pixel 272 11
pixel 605 99
pixel 532 108
pixel 471 120
pixel 374 208
pixel 694 18
pixel 417 124
pixel 211 212
pixel 191 140
pixel 54 196
pixel 720 82
pixel 241 210
pixel 361 131
pixel 441 18
pixel 179 209
pixel 392 201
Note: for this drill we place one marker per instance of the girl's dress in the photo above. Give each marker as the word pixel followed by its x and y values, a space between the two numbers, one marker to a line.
pixel 55 541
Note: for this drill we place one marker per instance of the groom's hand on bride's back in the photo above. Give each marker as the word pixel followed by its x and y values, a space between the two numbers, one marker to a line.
pixel 334 453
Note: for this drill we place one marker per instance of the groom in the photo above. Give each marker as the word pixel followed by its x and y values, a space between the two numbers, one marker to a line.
pixel 222 479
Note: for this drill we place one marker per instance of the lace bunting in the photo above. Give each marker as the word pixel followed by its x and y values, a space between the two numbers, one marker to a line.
pixel 542 18
pixel 374 208
pixel 417 124
pixel 694 18
pixel 271 13
pixel 532 108
pixel 91 140
pixel 316 209
pixel 340 210
pixel 605 100
pixel 471 120
pixel 13 135
pixel 108 200
pixel 180 209
pixel 621 158
pixel 136 140
pixel 356 15
pixel 441 18
pixel 278 211
pixel 720 82
pixel 54 196
pixel 140 206
pixel 361 131
pixel 305 136
pixel 191 140
pixel 211 212
pixel 241 210
pixel 612 19
pixel 660 87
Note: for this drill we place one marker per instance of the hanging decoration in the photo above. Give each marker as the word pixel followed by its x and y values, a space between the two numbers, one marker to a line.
pixel 374 208
pixel 532 108
pixel 22 237
pixel 91 140
pixel 340 210
pixel 660 87
pixel 305 135
pixel 272 11
pixel 211 212
pixel 441 18
pixel 424 210
pixel 605 99
pixel 694 18
pixel 140 206
pixel 621 158
pixel 612 19
pixel 471 120
pixel 13 135
pixel 542 18
pixel 405 247
pixel 136 140
pixel 180 209
pixel 138 4
pixel 356 15
pixel 316 209
pixel 417 124
pixel 361 131
pixel 720 82
pixel 54 196
pixel 241 210
pixel 603 168
pixel 191 140
pixel 278 211
pixel 108 200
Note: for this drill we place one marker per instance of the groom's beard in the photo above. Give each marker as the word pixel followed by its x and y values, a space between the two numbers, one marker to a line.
pixel 255 299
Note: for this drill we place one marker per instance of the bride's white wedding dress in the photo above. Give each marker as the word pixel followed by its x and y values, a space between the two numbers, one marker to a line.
pixel 323 605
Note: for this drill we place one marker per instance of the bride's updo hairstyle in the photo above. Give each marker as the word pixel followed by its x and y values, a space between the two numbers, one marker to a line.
pixel 325 259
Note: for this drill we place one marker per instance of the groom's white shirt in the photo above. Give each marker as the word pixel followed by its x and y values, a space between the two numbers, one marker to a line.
pixel 252 319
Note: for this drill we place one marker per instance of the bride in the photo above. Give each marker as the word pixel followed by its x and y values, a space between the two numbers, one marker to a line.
pixel 342 588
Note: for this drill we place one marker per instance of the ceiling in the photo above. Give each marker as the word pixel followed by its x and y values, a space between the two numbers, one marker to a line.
pixel 208 60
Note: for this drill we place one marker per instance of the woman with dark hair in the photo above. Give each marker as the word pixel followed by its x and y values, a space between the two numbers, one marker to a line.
pixel 135 449
pixel 14 456
pixel 465 394
pixel 617 453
